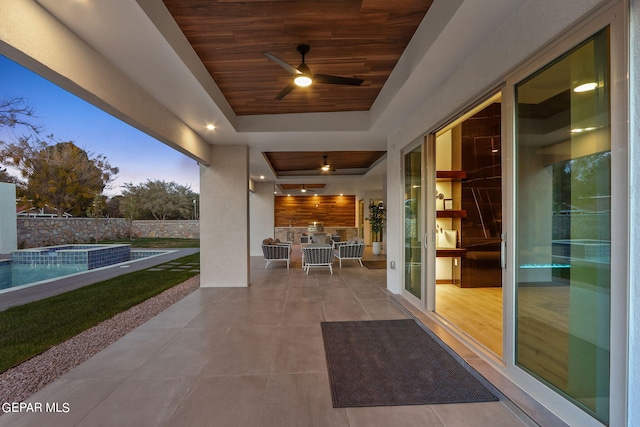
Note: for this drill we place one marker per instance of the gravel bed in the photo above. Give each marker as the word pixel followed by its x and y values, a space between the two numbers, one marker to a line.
pixel 20 382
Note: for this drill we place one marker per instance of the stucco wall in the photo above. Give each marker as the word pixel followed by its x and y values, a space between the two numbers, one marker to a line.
pixel 35 232
pixel 634 144
pixel 261 204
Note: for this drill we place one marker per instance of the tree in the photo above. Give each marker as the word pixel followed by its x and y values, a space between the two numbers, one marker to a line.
pixel 15 112
pixel 160 200
pixel 62 176
pixel 96 211
pixel 114 207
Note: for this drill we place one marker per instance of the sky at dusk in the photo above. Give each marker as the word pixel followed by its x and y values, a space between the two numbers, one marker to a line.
pixel 69 118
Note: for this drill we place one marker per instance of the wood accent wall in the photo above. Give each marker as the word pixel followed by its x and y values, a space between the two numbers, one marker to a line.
pixel 332 211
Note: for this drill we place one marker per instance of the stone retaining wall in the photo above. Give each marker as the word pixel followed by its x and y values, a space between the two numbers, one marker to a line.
pixel 170 229
pixel 36 232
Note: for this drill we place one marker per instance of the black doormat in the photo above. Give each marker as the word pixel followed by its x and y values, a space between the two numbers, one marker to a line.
pixel 394 362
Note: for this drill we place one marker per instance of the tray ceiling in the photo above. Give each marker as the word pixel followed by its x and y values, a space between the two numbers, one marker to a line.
pixel 350 38
pixel 309 163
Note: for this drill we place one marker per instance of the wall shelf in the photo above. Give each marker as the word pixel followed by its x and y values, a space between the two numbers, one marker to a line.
pixel 451 253
pixel 451 213
pixel 451 174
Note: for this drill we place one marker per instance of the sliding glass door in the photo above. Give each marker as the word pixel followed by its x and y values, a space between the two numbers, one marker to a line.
pixel 563 225
pixel 413 223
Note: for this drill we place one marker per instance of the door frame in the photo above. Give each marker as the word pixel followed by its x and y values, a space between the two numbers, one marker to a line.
pixel 422 302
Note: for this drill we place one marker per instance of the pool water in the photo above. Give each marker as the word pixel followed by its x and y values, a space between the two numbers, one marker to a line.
pixel 12 275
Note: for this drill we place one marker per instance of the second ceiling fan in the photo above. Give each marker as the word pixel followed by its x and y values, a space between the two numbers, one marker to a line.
pixel 302 76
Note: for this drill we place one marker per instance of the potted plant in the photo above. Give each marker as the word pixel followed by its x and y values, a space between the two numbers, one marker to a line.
pixel 376 221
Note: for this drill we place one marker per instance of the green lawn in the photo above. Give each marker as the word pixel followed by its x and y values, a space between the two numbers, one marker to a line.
pixel 157 242
pixel 30 329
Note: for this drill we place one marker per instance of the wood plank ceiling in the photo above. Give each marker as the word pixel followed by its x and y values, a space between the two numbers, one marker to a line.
pixel 349 38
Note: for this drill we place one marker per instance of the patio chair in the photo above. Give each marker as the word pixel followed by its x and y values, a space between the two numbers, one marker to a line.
pixel 318 257
pixel 276 251
pixel 348 250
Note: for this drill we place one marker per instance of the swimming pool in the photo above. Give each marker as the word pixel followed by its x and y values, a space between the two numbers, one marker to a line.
pixel 32 266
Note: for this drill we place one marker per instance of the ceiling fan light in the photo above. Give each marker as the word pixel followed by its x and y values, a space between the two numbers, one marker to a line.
pixel 303 80
pixel 325 166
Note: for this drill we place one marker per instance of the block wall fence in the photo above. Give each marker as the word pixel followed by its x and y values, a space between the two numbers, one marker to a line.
pixel 35 232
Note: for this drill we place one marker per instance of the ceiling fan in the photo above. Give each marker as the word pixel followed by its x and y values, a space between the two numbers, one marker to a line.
pixel 326 167
pixel 303 189
pixel 302 76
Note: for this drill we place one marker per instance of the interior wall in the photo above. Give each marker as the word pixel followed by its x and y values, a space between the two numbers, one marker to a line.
pixel 261 207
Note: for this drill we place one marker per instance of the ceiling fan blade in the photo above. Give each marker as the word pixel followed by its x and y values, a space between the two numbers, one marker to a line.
pixel 290 68
pixel 336 80
pixel 284 92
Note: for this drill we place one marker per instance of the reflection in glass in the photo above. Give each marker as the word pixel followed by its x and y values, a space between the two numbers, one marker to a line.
pixel 413 222
pixel 563 214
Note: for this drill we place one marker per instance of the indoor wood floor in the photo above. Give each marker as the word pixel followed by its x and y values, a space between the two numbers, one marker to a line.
pixel 477 312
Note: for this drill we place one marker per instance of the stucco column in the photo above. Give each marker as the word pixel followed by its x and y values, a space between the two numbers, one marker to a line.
pixel 224 218
pixel 8 223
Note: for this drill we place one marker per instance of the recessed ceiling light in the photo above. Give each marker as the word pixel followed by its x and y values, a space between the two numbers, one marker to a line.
pixel 586 87
pixel 261 176
pixel 210 126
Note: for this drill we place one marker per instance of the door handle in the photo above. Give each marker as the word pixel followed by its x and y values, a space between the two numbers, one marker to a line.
pixel 424 239
pixel 503 250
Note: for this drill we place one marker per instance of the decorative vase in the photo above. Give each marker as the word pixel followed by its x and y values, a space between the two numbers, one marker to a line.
pixel 377 248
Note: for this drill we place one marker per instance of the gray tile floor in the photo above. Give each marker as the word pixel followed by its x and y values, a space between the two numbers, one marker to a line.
pixel 242 357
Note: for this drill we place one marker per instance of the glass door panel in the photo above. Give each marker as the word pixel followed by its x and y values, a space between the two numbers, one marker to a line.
pixel 468 211
pixel 563 223
pixel 413 222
